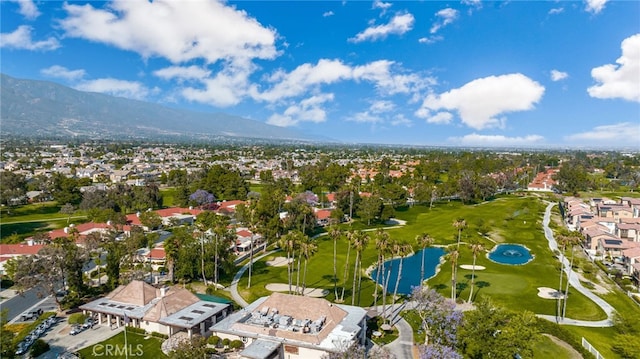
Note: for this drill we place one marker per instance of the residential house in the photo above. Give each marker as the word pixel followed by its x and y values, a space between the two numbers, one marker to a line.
pixel 9 251
pixel 166 310
pixel 290 326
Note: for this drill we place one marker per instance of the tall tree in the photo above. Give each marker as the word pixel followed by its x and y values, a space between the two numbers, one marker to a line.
pixel 426 241
pixel 453 257
pixel 382 239
pixel 460 224
pixel 402 250
pixel 439 318
pixel 335 233
pixel 562 240
pixel 349 237
pixel 288 242
pixel 308 247
pixel 574 238
pixel 493 332
pixel 476 248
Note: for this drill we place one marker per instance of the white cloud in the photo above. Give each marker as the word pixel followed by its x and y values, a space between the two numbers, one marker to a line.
pixel 365 117
pixel 440 118
pixel 328 13
pixel 446 17
pixel 621 80
pixel 380 106
pixel 63 73
pixel 120 88
pixel 401 120
pixel 480 101
pixel 226 88
pixel 183 73
pixel 378 4
pixel 430 39
pixel 612 135
pixel 399 24
pixel 558 75
pixel 556 11
pixel 475 139
pixel 307 110
pixel 179 31
pixel 27 9
pixel 595 6
pixel 474 3
pixel 307 76
pixel 21 39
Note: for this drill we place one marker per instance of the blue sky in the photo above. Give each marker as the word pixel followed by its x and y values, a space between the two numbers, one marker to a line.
pixel 468 73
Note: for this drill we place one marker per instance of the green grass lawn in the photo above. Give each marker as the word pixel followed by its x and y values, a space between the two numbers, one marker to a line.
pixel 546 348
pixel 140 346
pixel 28 219
pixel 510 220
pixel 168 196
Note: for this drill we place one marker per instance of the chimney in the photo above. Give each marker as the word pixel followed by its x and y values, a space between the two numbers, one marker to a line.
pixel 163 291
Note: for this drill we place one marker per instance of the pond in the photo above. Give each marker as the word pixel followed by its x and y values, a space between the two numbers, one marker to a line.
pixel 410 270
pixel 511 254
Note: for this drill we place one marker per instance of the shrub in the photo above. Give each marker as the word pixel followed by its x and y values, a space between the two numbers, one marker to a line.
pixel 236 344
pixel 77 318
pixel 159 335
pixel 136 330
pixel 214 340
pixel 39 347
pixel 225 341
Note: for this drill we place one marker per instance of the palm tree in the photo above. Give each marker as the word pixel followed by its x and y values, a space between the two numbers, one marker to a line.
pixel 476 248
pixel 221 234
pixel 382 245
pixel 253 224
pixel 359 242
pixel 573 238
pixel 350 235
pixel 562 242
pixel 335 233
pixel 459 224
pixel 402 250
pixel 287 243
pixel 308 247
pixel 426 240
pixel 453 256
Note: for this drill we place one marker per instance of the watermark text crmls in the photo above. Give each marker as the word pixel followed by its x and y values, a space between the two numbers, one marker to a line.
pixel 117 350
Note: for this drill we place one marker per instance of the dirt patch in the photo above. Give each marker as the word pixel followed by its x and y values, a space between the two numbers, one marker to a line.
pixel 278 262
pixel 471 267
pixel 573 354
pixel 548 293
pixel 309 292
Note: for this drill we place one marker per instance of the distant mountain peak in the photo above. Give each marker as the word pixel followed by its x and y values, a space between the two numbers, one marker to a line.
pixel 34 108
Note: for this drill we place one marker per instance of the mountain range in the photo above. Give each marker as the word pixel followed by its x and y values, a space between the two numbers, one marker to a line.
pixel 33 108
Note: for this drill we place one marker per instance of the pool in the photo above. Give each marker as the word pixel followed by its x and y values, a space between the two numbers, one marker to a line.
pixel 511 254
pixel 410 270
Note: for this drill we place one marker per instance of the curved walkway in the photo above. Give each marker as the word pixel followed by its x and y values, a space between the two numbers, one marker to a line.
pixel 233 288
pixel 575 283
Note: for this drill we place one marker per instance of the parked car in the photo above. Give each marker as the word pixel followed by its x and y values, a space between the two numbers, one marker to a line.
pixel 76 329
pixel 31 315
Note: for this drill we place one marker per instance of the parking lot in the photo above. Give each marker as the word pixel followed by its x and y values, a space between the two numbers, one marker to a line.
pixel 61 341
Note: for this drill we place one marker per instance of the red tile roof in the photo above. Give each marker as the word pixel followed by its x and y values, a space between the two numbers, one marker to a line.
pixel 19 249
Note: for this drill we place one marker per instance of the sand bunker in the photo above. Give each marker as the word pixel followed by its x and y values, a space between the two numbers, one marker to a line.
pixel 278 262
pixel 309 292
pixel 470 267
pixel 548 293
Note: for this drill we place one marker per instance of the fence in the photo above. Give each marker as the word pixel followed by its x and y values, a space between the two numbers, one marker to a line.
pixel 591 349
